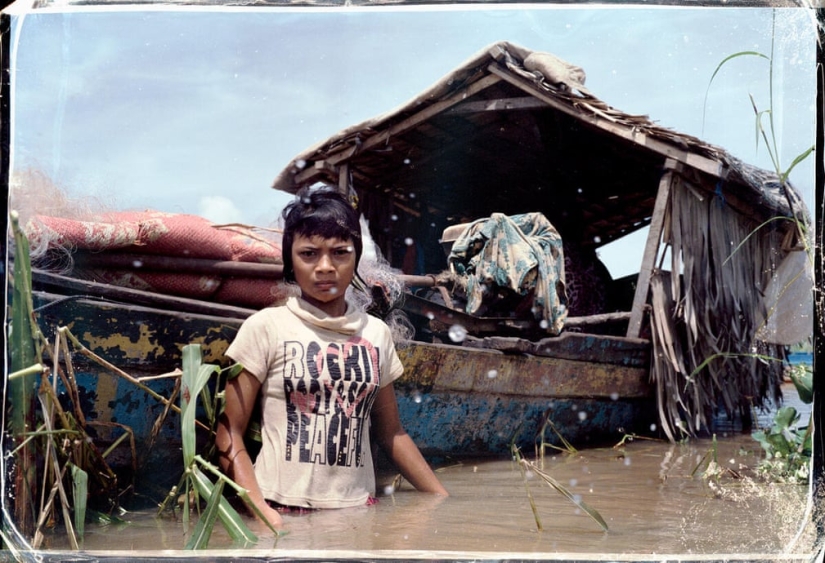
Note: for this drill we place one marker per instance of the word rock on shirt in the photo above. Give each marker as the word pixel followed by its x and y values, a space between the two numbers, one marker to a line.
pixel 329 389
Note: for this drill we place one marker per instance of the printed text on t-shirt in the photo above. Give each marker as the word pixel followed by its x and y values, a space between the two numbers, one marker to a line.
pixel 329 390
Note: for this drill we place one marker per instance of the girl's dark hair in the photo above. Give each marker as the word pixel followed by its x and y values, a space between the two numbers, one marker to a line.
pixel 323 212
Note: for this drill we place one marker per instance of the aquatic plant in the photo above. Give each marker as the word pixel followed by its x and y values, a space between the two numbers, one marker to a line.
pixel 526 466
pixel 52 450
pixel 708 466
pixel 768 136
pixel 763 132
pixel 542 444
pixel 194 483
pixel 23 341
pixel 53 453
pixel 788 446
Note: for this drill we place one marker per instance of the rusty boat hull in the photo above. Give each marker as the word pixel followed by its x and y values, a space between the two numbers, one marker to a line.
pixel 454 401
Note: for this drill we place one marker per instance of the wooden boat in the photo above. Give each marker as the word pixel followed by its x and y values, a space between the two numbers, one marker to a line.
pixel 504 134
pixel 454 400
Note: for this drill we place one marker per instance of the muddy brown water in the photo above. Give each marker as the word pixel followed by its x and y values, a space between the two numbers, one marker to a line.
pixel 649 493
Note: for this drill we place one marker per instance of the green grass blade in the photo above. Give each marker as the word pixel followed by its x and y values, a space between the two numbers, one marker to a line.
pixel 203 529
pixel 228 516
pixel 194 378
pixel 593 513
pixel 719 67
pixel 521 464
pixel 242 493
pixel 80 494
pixel 207 402
pixel 802 156
pixel 233 371
pixel 22 336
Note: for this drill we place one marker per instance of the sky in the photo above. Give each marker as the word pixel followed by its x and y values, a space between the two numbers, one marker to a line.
pixel 197 110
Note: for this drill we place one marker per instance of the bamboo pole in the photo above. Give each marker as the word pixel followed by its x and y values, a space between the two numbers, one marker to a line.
pixel 205 266
pixel 651 249
pixel 91 355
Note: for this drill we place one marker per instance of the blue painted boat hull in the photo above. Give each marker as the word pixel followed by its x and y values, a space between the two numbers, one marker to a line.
pixel 454 400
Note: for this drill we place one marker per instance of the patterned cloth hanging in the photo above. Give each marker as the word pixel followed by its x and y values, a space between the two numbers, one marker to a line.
pixel 522 253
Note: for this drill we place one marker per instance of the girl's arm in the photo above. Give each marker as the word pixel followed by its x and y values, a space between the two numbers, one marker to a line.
pixel 240 396
pixel 399 446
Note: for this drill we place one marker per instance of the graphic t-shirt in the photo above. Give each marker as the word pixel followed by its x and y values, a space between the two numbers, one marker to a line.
pixel 319 377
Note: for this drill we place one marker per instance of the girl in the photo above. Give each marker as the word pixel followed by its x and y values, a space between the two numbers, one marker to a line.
pixel 324 371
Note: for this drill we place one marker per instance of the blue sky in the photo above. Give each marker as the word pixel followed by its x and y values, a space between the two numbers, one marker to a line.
pixel 196 111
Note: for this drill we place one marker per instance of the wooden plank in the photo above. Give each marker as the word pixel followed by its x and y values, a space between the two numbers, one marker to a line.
pixel 343 179
pixel 501 104
pixel 651 250
pixel 382 137
pixel 445 367
pixel 706 165
pixel 111 330
pixel 64 284
pixel 416 305
pixel 580 347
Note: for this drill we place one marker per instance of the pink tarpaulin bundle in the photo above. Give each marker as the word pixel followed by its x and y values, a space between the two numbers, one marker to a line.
pixel 154 233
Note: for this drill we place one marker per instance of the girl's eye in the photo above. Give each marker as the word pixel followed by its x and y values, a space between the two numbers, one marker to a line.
pixel 343 251
pixel 306 253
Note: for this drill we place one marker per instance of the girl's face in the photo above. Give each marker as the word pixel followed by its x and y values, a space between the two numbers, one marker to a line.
pixel 323 268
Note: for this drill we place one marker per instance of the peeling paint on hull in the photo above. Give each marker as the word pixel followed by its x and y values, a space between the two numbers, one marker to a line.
pixel 453 400
pixel 466 401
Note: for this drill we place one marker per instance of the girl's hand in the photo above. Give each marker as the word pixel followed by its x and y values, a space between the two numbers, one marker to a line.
pixel 273 517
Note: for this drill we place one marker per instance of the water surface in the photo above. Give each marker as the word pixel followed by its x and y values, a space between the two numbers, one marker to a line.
pixel 656 498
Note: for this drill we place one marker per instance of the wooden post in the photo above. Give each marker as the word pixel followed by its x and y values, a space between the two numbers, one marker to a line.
pixel 343 178
pixel 654 236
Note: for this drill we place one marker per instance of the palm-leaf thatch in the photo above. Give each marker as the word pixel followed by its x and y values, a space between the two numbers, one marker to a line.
pixel 706 320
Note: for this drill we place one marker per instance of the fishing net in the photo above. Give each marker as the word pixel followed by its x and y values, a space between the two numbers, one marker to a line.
pixel 60 243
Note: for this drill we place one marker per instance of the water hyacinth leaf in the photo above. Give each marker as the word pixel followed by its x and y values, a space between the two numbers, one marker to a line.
pixel 773 443
pixel 80 494
pixel 228 516
pixel 784 418
pixel 203 529
pixel 803 380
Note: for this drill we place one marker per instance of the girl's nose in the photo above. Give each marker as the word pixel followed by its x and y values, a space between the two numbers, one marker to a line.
pixel 324 263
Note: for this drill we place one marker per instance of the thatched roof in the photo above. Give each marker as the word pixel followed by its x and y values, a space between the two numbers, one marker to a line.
pixel 516 131
pixel 513 130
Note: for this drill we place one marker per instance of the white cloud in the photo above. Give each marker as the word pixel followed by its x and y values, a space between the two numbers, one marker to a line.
pixel 219 209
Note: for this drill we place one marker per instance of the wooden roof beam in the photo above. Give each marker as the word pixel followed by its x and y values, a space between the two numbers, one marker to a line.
pixel 706 165
pixel 499 104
